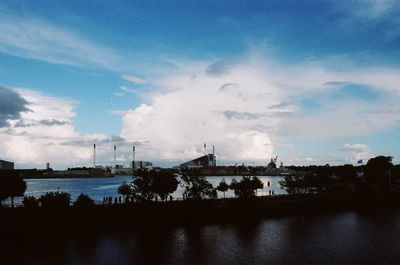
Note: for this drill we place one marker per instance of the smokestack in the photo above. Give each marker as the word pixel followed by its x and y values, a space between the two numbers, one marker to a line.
pixel 214 162
pixel 205 148
pixel 133 157
pixel 115 156
pixel 94 155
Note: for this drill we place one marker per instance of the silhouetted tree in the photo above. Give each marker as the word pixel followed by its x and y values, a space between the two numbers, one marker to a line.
pixel 164 183
pixel 223 186
pixel 12 186
pixel 377 171
pixel 233 185
pixel 125 190
pixel 257 184
pixel 83 201
pixel 197 187
pixel 348 173
pixel 56 199
pixel 142 187
pixel 295 184
pixel 246 187
pixel 149 184
pixel 30 202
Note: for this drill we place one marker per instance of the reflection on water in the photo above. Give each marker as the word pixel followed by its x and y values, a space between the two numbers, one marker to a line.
pixel 97 188
pixel 346 238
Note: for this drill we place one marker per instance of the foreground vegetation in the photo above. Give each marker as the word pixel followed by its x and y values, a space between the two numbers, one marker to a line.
pixel 147 198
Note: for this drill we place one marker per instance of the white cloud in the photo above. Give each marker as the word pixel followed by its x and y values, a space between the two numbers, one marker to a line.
pixel 244 108
pixel 37 39
pixel 128 90
pixel 357 152
pixel 134 79
pixel 45 133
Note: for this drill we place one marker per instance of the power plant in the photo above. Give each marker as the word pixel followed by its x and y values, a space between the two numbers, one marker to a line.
pixel 207 160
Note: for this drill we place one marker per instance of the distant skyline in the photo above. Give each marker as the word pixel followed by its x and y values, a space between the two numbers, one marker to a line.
pixel 313 82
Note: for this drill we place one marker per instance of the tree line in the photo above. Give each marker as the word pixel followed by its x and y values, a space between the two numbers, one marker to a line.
pixel 159 185
pixel 145 187
pixel 379 175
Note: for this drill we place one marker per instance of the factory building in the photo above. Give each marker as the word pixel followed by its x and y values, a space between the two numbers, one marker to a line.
pixel 6 165
pixel 142 165
pixel 203 161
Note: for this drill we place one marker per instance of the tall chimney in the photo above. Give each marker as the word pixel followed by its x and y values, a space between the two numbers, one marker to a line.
pixel 214 162
pixel 205 148
pixel 94 155
pixel 115 156
pixel 133 157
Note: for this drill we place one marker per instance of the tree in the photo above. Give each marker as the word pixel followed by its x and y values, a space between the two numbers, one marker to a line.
pixel 295 184
pixel 12 186
pixel 141 187
pixel 149 184
pixel 223 187
pixel 56 199
pixel 257 184
pixel 197 188
pixel 348 173
pixel 84 201
pixel 233 185
pixel 125 190
pixel 163 184
pixel 377 173
pixel 246 187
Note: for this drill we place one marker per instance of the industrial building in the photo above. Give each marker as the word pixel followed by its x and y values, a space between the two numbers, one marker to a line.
pixel 6 165
pixel 142 165
pixel 208 160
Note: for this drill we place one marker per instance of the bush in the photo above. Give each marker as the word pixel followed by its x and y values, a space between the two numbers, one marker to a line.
pixel 55 199
pixel 84 201
pixel 30 202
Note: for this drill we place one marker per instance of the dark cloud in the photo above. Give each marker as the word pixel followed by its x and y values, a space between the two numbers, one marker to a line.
pixel 117 139
pixel 227 86
pixel 337 83
pixel 231 114
pixel 11 105
pixel 220 67
pixel 280 114
pixel 51 122
pixel 114 139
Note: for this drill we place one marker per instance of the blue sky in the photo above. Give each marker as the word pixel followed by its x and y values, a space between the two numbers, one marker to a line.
pixel 309 81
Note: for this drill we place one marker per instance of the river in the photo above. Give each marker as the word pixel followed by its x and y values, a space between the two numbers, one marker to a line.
pixel 97 188
pixel 342 238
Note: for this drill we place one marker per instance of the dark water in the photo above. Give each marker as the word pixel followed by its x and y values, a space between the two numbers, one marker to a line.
pixel 345 238
pixel 97 188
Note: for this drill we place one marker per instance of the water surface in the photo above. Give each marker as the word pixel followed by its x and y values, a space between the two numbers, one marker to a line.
pixel 345 238
pixel 97 188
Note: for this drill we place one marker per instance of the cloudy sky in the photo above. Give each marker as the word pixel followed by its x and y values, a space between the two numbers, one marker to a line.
pixel 313 82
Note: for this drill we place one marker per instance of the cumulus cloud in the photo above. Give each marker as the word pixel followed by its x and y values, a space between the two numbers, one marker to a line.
pixel 11 105
pixel 246 109
pixel 357 152
pixel 44 132
pixel 190 110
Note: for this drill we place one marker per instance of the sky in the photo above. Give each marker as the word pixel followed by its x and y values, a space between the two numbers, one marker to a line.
pixel 312 82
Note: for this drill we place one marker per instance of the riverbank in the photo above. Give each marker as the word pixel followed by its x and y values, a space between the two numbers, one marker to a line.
pixel 125 217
